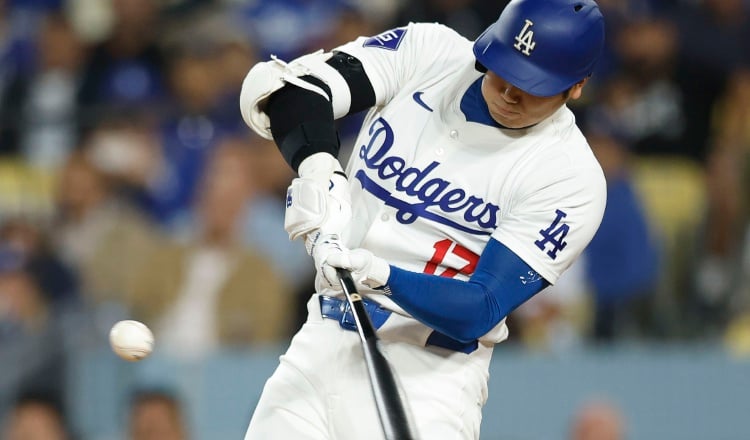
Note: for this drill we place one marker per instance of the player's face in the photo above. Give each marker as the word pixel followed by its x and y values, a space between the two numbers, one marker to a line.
pixel 514 108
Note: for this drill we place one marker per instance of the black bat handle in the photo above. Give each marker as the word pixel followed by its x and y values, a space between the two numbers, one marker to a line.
pixel 384 387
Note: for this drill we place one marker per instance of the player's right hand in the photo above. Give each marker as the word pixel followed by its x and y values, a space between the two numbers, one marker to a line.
pixel 318 200
pixel 329 254
pixel 367 269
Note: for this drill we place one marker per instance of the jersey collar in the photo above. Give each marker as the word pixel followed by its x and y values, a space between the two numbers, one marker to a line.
pixel 474 107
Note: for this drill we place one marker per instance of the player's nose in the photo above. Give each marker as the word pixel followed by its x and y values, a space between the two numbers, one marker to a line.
pixel 510 94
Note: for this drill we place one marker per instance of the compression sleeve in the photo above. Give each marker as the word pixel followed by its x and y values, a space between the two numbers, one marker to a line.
pixel 466 310
pixel 302 121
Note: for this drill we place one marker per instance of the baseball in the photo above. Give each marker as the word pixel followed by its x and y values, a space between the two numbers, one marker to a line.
pixel 131 340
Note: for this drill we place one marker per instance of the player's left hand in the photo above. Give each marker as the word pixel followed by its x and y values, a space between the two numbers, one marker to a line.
pixel 366 268
pixel 320 246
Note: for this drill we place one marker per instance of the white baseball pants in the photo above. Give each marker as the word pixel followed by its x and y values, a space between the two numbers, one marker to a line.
pixel 321 391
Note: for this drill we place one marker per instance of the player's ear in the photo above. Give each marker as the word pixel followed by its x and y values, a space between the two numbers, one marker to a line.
pixel 576 91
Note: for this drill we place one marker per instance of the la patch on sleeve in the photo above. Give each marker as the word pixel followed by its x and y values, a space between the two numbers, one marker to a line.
pixel 390 40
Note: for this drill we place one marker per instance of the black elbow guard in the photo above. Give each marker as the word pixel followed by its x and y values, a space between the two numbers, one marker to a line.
pixel 307 139
pixel 302 122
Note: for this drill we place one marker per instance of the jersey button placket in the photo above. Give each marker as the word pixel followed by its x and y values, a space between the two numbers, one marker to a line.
pixel 453 134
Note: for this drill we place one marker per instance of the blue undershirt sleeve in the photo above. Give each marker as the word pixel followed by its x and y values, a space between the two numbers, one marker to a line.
pixel 466 310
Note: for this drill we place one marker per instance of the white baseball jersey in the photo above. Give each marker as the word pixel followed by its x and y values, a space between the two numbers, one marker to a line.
pixel 429 188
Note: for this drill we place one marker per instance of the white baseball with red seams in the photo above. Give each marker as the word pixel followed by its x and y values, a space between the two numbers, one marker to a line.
pixel 131 340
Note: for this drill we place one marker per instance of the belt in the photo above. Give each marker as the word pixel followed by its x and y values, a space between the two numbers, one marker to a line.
pixel 339 310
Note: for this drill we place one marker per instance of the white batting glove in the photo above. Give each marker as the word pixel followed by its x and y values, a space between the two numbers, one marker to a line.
pixel 321 247
pixel 318 200
pixel 366 268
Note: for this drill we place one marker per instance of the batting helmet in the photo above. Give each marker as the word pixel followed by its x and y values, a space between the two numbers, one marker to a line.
pixel 543 47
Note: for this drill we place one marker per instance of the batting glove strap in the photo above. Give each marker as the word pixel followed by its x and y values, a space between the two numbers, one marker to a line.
pixel 320 166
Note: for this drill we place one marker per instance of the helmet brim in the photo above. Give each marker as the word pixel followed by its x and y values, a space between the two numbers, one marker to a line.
pixel 523 74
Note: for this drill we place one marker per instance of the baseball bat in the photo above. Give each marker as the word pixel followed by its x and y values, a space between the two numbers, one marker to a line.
pixel 384 388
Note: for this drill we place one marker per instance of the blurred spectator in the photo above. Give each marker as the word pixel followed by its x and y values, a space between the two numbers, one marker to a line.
pixel 714 41
pixel 127 68
pixel 124 148
pixel 737 335
pixel 36 416
pixel 646 108
pixel 715 47
pixel 25 191
pixel 95 232
pixel 715 44
pixel 263 227
pixel 156 415
pixel 622 265
pixel 350 23
pixel 559 317
pixel 714 36
pixel 619 11
pixel 208 59
pixel 31 338
pixel 210 28
pixel 268 23
pixel 92 19
pixel 211 290
pixel 723 279
pixel 647 101
pixel 18 29
pixel 235 58
pixel 598 420
pixel 200 114
pixel 617 15
pixel 618 270
pixel 39 112
pixel 378 12
pixel 467 17
pixel 57 282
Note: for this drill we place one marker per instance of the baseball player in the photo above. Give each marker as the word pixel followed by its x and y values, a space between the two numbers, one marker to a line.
pixel 469 190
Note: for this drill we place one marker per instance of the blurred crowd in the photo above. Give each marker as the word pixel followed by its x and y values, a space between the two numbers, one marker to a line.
pixel 131 188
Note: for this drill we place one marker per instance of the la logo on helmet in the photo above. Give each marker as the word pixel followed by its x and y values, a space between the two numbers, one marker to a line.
pixel 525 39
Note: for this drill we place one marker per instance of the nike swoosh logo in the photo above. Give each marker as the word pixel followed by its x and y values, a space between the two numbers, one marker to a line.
pixel 418 98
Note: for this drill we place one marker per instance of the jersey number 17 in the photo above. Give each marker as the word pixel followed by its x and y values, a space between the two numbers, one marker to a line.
pixel 442 248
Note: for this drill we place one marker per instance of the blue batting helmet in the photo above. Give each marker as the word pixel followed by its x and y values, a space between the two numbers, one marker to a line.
pixel 543 47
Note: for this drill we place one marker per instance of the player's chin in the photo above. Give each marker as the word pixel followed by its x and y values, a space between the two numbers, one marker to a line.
pixel 508 120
